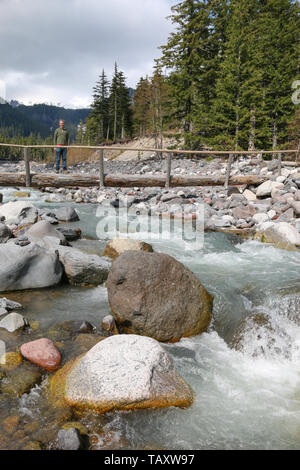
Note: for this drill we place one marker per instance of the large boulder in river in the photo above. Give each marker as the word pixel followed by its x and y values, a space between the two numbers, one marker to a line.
pixel 81 268
pixel 28 267
pixel 117 246
pixel 122 372
pixel 154 295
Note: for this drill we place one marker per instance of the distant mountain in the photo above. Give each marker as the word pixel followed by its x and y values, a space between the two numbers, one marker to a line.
pixel 42 119
pixel 49 116
pixel 14 123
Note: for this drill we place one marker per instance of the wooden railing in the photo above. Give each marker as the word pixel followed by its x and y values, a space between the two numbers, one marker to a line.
pixel 168 175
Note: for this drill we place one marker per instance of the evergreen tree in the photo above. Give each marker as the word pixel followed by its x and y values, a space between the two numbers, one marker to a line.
pixel 119 107
pixel 193 54
pixel 141 107
pixel 100 107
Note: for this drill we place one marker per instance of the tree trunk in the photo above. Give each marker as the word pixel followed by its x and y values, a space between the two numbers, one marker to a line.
pixel 115 119
pixel 251 145
pixel 274 140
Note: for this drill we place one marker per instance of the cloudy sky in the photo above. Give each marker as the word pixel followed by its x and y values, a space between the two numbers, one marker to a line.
pixel 54 50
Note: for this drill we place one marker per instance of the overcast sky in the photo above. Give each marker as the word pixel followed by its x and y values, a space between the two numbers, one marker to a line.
pixel 54 50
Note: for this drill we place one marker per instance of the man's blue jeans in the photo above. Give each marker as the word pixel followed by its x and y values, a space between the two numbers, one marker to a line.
pixel 61 153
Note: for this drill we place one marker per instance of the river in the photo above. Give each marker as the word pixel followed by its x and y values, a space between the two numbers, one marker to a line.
pixel 244 399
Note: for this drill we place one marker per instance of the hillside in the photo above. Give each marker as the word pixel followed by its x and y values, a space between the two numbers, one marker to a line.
pixel 15 123
pixel 49 116
pixel 38 119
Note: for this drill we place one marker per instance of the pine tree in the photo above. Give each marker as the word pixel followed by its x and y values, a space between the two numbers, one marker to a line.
pixel 100 107
pixel 141 107
pixel 279 26
pixel 119 106
pixel 193 54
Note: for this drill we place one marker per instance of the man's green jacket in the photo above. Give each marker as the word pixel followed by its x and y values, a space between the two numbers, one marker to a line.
pixel 61 137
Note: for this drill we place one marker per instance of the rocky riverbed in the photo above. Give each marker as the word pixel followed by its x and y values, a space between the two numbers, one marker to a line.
pixel 236 373
pixel 270 211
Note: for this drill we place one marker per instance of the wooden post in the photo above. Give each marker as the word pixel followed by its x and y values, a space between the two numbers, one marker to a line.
pixel 169 165
pixel 279 164
pixel 27 167
pixel 228 171
pixel 101 168
pixel 298 152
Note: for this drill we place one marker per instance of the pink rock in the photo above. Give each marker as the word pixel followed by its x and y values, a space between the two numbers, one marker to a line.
pixel 43 353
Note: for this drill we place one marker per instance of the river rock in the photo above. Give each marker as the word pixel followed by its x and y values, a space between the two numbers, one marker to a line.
pixel 5 233
pixel 296 206
pixel 81 268
pixel 109 324
pixel 28 215
pixel 249 195
pixel 153 294
pixel 243 212
pixel 69 439
pixel 21 380
pixel 44 229
pixel 70 234
pixel 266 188
pixel 282 233
pixel 43 353
pixel 11 210
pixel 215 222
pixel 28 267
pixel 286 216
pixel 12 322
pixel 260 218
pixel 122 372
pixel 66 214
pixel 117 246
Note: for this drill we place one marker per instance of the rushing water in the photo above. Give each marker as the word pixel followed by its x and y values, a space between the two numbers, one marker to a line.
pixel 244 399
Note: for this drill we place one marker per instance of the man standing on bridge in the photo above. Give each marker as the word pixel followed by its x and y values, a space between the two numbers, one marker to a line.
pixel 61 138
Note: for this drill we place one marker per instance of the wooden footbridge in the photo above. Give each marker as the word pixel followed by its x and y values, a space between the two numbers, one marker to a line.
pixel 166 179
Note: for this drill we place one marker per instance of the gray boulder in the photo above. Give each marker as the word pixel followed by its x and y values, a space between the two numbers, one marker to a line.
pixel 81 268
pixel 66 214
pixel 28 267
pixel 44 229
pixel 152 294
pixel 122 372
pixel 28 215
pixel 266 188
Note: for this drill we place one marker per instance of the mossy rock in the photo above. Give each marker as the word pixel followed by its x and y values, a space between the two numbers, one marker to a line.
pixel 21 380
pixel 10 361
pixel 21 194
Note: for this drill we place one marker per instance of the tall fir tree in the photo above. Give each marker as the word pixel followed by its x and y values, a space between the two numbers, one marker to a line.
pixel 100 107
